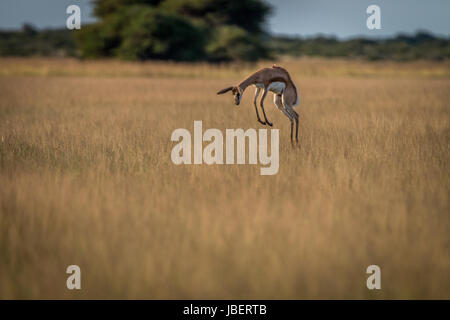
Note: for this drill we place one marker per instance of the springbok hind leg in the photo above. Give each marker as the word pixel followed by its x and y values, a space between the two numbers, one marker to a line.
pixel 278 102
pixel 294 116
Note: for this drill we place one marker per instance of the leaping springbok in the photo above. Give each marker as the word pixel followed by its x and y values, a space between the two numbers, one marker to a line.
pixel 278 81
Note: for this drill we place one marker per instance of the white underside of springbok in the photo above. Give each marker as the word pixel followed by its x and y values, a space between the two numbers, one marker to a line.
pixel 275 87
pixel 278 87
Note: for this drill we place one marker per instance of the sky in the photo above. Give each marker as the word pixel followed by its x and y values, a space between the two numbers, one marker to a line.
pixel 340 18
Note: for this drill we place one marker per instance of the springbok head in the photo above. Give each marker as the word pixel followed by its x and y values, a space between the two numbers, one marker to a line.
pixel 236 91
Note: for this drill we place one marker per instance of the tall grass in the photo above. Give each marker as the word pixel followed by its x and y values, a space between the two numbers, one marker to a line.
pixel 86 179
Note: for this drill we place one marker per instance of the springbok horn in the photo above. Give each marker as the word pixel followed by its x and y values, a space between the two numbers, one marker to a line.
pixel 224 90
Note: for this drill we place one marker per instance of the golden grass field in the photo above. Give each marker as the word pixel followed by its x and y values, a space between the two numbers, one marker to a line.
pixel 86 179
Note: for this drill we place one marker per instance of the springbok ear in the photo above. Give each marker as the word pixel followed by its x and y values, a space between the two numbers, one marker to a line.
pixel 224 90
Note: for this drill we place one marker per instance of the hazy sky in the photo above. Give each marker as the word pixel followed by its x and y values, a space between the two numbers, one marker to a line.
pixel 343 18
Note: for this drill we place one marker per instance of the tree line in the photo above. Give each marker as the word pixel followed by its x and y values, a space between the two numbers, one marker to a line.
pixel 202 30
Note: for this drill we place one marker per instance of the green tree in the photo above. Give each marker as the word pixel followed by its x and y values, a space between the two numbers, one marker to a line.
pixel 184 30
pixel 154 34
pixel 249 15
pixel 104 8
pixel 233 43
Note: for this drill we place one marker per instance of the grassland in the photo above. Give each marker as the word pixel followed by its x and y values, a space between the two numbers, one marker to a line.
pixel 86 178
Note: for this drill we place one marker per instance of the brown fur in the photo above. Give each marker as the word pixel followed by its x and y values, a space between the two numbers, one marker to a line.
pixel 268 75
pixel 284 101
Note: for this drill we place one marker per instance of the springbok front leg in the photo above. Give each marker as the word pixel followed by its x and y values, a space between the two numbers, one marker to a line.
pixel 262 107
pixel 255 100
pixel 279 104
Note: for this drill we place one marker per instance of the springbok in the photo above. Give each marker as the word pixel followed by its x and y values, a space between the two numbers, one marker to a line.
pixel 278 81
